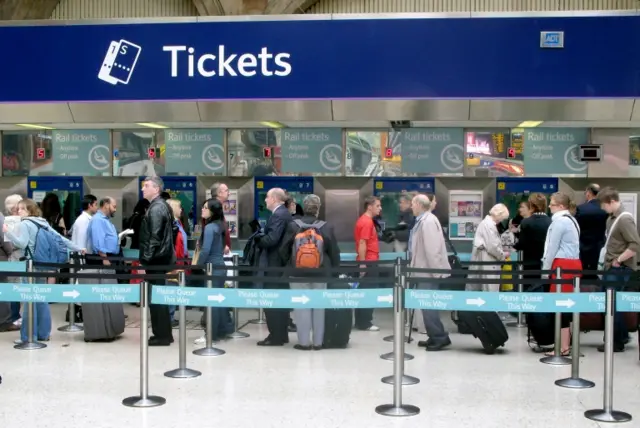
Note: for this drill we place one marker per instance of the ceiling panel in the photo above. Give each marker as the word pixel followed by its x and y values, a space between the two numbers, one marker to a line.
pixel 35 113
pixel 135 112
pixel 258 111
pixel 556 110
pixel 448 110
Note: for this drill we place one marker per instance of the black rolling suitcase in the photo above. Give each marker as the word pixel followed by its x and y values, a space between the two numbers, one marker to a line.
pixel 337 325
pixel 486 326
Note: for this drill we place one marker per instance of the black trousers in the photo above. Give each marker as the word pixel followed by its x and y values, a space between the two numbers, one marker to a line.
pixel 277 319
pixel 160 315
pixel 364 317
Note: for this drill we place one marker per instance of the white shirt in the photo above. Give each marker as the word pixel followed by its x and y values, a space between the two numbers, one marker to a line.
pixel 79 231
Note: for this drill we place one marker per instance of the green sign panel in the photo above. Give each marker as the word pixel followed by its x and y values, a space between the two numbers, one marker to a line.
pixel 550 151
pixel 81 152
pixel 312 150
pixel 195 151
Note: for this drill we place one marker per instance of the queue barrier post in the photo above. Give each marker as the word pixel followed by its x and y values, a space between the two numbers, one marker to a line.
pixel 606 413
pixel 182 372
pixel 557 359
pixel 237 334
pixel 397 408
pixel 391 355
pixel 209 350
pixel 72 327
pixel 398 318
pixel 520 321
pixel 30 344
pixel 144 400
pixel 575 381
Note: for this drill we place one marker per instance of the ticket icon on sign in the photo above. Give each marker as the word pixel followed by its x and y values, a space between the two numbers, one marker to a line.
pixel 119 62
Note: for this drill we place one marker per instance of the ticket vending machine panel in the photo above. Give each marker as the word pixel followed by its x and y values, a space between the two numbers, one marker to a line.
pixel 184 189
pixel 296 187
pixel 69 190
pixel 389 191
pixel 511 191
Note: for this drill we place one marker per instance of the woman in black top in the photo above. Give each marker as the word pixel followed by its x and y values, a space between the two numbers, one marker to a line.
pixel 532 235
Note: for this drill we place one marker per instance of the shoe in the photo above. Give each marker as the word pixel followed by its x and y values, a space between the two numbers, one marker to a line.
pixel 616 348
pixel 270 342
pixel 175 323
pixel 301 347
pixel 372 328
pixel 200 341
pixel 317 348
pixel 154 341
pixel 9 327
pixel 438 346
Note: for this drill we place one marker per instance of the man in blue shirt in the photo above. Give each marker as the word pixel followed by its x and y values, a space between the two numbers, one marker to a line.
pixel 102 236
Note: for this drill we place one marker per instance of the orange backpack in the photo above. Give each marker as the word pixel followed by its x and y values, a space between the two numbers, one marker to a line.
pixel 308 245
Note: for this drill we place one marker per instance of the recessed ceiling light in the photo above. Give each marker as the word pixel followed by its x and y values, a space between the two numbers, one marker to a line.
pixel 529 124
pixel 276 125
pixel 32 126
pixel 153 125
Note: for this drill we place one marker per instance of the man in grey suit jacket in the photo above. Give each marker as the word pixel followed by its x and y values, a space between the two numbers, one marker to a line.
pixel 6 316
pixel 429 251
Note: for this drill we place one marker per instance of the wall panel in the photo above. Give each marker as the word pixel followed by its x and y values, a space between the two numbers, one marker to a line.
pixel 615 153
pixel 106 9
pixel 433 6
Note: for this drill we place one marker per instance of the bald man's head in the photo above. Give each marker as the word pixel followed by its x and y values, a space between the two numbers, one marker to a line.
pixel 420 204
pixel 275 198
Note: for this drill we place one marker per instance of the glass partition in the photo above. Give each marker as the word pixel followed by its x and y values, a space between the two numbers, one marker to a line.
pixel 26 153
pixel 253 152
pixel 138 153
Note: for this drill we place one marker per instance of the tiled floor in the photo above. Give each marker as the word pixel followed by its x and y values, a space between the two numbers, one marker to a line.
pixel 74 384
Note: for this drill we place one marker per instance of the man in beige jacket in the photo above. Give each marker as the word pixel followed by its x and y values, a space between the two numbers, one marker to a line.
pixel 429 251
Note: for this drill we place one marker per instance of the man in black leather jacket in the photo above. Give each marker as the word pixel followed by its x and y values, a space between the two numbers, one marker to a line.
pixel 156 250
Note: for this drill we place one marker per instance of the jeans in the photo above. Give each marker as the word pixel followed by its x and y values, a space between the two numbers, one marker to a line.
pixel 41 322
pixel 620 331
pixel 432 322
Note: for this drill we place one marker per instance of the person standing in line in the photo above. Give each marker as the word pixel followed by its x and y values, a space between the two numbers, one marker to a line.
pixel 406 222
pixel 157 249
pixel 11 209
pixel 367 249
pixel 562 250
pixel 270 242
pixel 620 256
pixel 429 251
pixel 7 323
pixel 180 246
pixel 220 191
pixel 103 321
pixel 80 227
pixel 593 223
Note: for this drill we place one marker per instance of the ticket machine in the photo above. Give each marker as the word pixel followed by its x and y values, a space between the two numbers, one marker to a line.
pixel 390 189
pixel 511 191
pixel 183 189
pixel 69 190
pixel 296 187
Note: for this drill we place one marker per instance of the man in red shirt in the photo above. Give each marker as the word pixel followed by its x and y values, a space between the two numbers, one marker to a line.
pixel 367 248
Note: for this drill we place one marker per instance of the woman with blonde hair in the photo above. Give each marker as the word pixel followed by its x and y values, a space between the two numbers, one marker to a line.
pixel 562 250
pixel 487 247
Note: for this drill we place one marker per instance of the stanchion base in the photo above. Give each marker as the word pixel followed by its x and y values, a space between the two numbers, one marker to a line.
pixel 150 401
pixel 73 328
pixel 238 335
pixel 258 321
pixel 575 383
pixel 29 346
pixel 390 339
pixel 209 352
pixel 389 356
pixel 182 373
pixel 600 415
pixel 403 410
pixel 516 325
pixel 556 361
pixel 406 380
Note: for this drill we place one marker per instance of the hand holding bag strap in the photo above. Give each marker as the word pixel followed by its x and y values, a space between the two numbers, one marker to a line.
pixel 603 251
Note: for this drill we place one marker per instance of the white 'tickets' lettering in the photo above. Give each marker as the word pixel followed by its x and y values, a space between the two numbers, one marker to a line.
pixel 228 64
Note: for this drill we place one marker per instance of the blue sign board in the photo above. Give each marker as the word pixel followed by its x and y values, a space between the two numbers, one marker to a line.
pixel 432 150
pixel 195 151
pixel 400 184
pixel 272 299
pixel 325 58
pixel 627 302
pixel 80 293
pixel 554 150
pixel 38 187
pixel 311 150
pixel 504 302
pixel 506 185
pixel 78 151
pixel 295 186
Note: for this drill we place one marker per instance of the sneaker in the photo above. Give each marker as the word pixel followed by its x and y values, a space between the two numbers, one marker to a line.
pixel 373 328
pixel 200 341
pixel 18 322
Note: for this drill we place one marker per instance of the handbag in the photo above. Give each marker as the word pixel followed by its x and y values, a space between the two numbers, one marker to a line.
pixel 603 251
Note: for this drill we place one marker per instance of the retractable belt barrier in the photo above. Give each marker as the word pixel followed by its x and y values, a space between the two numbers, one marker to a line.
pixel 404 292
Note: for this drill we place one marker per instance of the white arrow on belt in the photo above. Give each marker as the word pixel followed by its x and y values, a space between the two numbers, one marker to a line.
pixel 566 303
pixel 387 299
pixel 74 294
pixel 475 302
pixel 302 299
pixel 216 298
